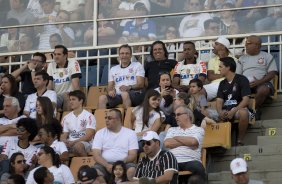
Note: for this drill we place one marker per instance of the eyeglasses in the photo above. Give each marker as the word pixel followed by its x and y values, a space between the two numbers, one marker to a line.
pixel 179 114
pixel 21 162
pixel 21 129
pixel 110 117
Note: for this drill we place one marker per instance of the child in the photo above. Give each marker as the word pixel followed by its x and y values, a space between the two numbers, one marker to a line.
pixel 43 176
pixel 198 103
pixel 118 173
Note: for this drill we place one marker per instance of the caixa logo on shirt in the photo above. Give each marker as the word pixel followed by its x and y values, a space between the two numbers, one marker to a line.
pixel 59 81
pixel 122 78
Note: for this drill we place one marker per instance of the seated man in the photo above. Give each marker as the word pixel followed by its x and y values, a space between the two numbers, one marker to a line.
pixel 188 69
pixel 113 143
pixel 233 96
pixel 260 68
pixel 78 126
pixel 64 76
pixel 40 82
pixel 125 82
pixel 146 171
pixel 185 142
pixel 7 123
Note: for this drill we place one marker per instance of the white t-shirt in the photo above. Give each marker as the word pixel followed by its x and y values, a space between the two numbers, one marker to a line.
pixel 35 8
pixel 126 76
pixel 62 175
pixel 5 121
pixel 189 71
pixel 11 147
pixel 58 146
pixel 70 5
pixel 62 76
pixel 115 146
pixel 185 153
pixel 125 6
pixel 153 116
pixel 76 125
pixel 30 103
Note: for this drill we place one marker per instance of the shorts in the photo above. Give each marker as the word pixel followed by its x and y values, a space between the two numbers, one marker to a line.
pixel 87 147
pixel 268 84
pixel 136 98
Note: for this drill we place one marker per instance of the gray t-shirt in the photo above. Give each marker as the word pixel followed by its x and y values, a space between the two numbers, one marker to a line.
pixel 256 66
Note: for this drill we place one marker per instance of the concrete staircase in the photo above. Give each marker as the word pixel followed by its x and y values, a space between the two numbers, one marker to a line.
pixel 262 150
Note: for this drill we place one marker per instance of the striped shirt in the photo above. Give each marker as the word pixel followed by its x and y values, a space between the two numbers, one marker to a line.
pixel 155 167
pixel 185 153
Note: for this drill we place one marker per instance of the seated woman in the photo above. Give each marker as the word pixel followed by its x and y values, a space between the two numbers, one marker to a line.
pixel 17 165
pixel 49 135
pixel 44 111
pixel 48 158
pixel 148 116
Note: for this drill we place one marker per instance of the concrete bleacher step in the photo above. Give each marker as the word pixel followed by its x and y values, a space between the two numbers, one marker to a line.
pixel 268 177
pixel 272 123
pixel 273 132
pixel 269 140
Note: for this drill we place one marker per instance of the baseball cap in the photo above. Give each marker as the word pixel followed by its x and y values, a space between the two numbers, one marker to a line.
pixel 142 3
pixel 86 173
pixel 224 41
pixel 238 165
pixel 150 135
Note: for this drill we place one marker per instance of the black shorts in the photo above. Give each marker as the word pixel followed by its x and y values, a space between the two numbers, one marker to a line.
pixel 268 84
pixel 135 97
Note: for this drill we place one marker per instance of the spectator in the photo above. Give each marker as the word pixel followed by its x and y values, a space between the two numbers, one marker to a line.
pixel 16 166
pixel 227 17
pixel 188 69
pixel 34 8
pixel 239 172
pixel 19 11
pixel 106 31
pixel 160 64
pixel 26 131
pixel 167 92
pixel 221 50
pixel 217 4
pixel 171 34
pixel 65 32
pixel 118 173
pixel 44 110
pixel 185 142
pixel 233 97
pixel 50 134
pixel 4 8
pixel 43 176
pixel 40 82
pixel 125 82
pixel 48 158
pixel 123 146
pixel 79 126
pixel 9 88
pixel 193 25
pixel 146 171
pixel 71 6
pixel 55 39
pixel 10 40
pixel 78 28
pixel 26 44
pixel 260 68
pixel 64 76
pixel 160 7
pixel 87 174
pixel 148 116
pixel 7 123
pixel 140 28
pixel 26 73
pixel 16 179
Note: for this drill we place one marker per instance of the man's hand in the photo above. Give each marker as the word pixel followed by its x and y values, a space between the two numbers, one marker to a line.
pixel 109 168
pixel 112 93
pixel 255 83
pixel 124 88
pixel 31 65
pixel 231 113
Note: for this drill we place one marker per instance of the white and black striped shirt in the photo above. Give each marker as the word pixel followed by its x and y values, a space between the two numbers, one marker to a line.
pixel 155 167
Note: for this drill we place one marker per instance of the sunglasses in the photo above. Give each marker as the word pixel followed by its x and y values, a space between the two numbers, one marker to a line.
pixel 21 162
pixel 21 129
pixel 148 143
pixel 179 114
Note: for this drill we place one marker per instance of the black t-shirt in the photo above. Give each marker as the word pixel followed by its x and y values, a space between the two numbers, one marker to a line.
pixel 233 93
pixel 27 86
pixel 153 70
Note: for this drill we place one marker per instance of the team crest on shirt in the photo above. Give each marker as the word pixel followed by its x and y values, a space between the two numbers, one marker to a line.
pixel 83 123
pixel 261 61
pixel 61 74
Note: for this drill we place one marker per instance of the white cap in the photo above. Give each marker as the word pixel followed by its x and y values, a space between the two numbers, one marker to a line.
pixel 238 165
pixel 150 135
pixel 224 41
pixel 145 3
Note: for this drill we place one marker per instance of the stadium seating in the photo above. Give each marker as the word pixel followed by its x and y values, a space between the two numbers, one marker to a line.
pixel 77 162
pixel 93 96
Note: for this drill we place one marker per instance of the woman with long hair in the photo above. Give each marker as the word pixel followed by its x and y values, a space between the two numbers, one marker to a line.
pixel 9 87
pixel 49 159
pixel 17 165
pixel 148 116
pixel 44 109
pixel 49 135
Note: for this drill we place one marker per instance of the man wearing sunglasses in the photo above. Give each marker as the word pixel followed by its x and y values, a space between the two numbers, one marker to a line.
pixel 185 142
pixel 157 166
